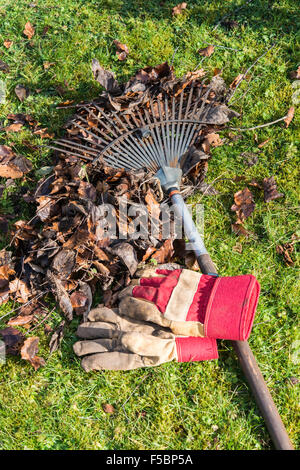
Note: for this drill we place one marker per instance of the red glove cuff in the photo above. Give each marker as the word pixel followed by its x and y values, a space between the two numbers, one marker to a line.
pixel 196 349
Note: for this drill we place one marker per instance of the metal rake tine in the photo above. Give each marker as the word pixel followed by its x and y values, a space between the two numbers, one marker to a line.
pixel 182 137
pixel 178 128
pixel 161 150
pixel 67 152
pixel 156 145
pixel 168 128
pixel 132 142
pixel 74 145
pixel 163 132
pixel 90 133
pixel 173 127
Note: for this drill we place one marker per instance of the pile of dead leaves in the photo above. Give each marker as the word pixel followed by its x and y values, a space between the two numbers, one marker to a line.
pixel 64 250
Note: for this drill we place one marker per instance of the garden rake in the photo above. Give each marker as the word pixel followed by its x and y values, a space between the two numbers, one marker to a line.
pixel 157 136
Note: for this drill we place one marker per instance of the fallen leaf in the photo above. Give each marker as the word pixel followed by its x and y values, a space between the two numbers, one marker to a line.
pixel 289 116
pixel 11 165
pixel 164 253
pixel 13 340
pixel 21 320
pixel 107 408
pixel 179 9
pixel 48 64
pixel 7 43
pixel 16 127
pixel 122 50
pixel 295 74
pixel 236 81
pixel 270 189
pixel 105 78
pixel 239 229
pixel 22 92
pixel 6 264
pixel 213 140
pixel 207 51
pixel 29 30
pixel 262 144
pixel 44 133
pixel 244 204
pixel 57 337
pixel 127 254
pixel 3 67
pixel 29 352
pixel 20 289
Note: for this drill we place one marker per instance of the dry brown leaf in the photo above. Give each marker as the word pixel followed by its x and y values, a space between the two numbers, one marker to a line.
pixel 207 51
pixel 29 352
pixel 295 74
pixel 20 289
pixel 240 230
pixel 29 30
pixel 21 320
pixel 237 80
pixel 15 127
pixel 289 116
pixel 122 50
pixel 286 250
pixel 179 9
pixel 13 340
pixel 48 64
pixel 107 408
pixel 4 67
pixel 164 253
pixel 7 43
pixel 21 92
pixel 262 144
pixel 244 204
pixel 270 189
pixel 44 133
pixel 213 140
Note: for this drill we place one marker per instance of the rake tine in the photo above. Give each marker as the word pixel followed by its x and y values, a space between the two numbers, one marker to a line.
pixel 160 148
pixel 176 157
pixel 70 153
pixel 74 145
pixel 182 137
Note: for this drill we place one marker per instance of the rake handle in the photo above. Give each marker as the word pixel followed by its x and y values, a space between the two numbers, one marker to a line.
pixel 243 351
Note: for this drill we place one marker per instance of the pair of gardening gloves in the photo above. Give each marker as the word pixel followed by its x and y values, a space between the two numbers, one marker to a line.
pixel 167 315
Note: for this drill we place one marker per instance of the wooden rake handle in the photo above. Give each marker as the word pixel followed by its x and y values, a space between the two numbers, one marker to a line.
pixel 243 351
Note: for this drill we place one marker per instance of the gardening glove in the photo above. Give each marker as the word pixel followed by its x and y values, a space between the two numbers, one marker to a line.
pixel 113 342
pixel 194 304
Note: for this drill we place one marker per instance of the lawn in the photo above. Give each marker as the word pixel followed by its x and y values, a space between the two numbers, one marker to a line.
pixel 174 406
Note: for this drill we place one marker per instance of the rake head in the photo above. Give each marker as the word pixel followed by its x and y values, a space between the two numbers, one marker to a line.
pixel 153 136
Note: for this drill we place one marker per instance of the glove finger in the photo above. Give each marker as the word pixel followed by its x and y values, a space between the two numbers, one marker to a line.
pixel 146 345
pixel 90 330
pixel 113 361
pixel 82 348
pixel 103 314
pixel 141 310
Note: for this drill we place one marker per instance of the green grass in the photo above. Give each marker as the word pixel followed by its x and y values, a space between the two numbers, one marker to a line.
pixel 174 406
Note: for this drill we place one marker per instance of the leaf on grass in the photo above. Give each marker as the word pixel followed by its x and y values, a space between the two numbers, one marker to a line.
pixel 57 337
pixel 29 352
pixel 289 116
pixel 270 189
pixel 21 320
pixel 22 92
pixel 244 204
pixel 44 133
pixel 178 10
pixel 286 250
pixel 107 408
pixel 122 50
pixel 105 78
pixel 7 43
pixel 240 230
pixel 63 263
pixel 29 30
pixel 13 340
pixel 236 81
pixel 12 165
pixel 164 253
pixel 15 127
pixel 4 67
pixel 295 74
pixel 213 140
pixel 47 64
pixel 207 51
